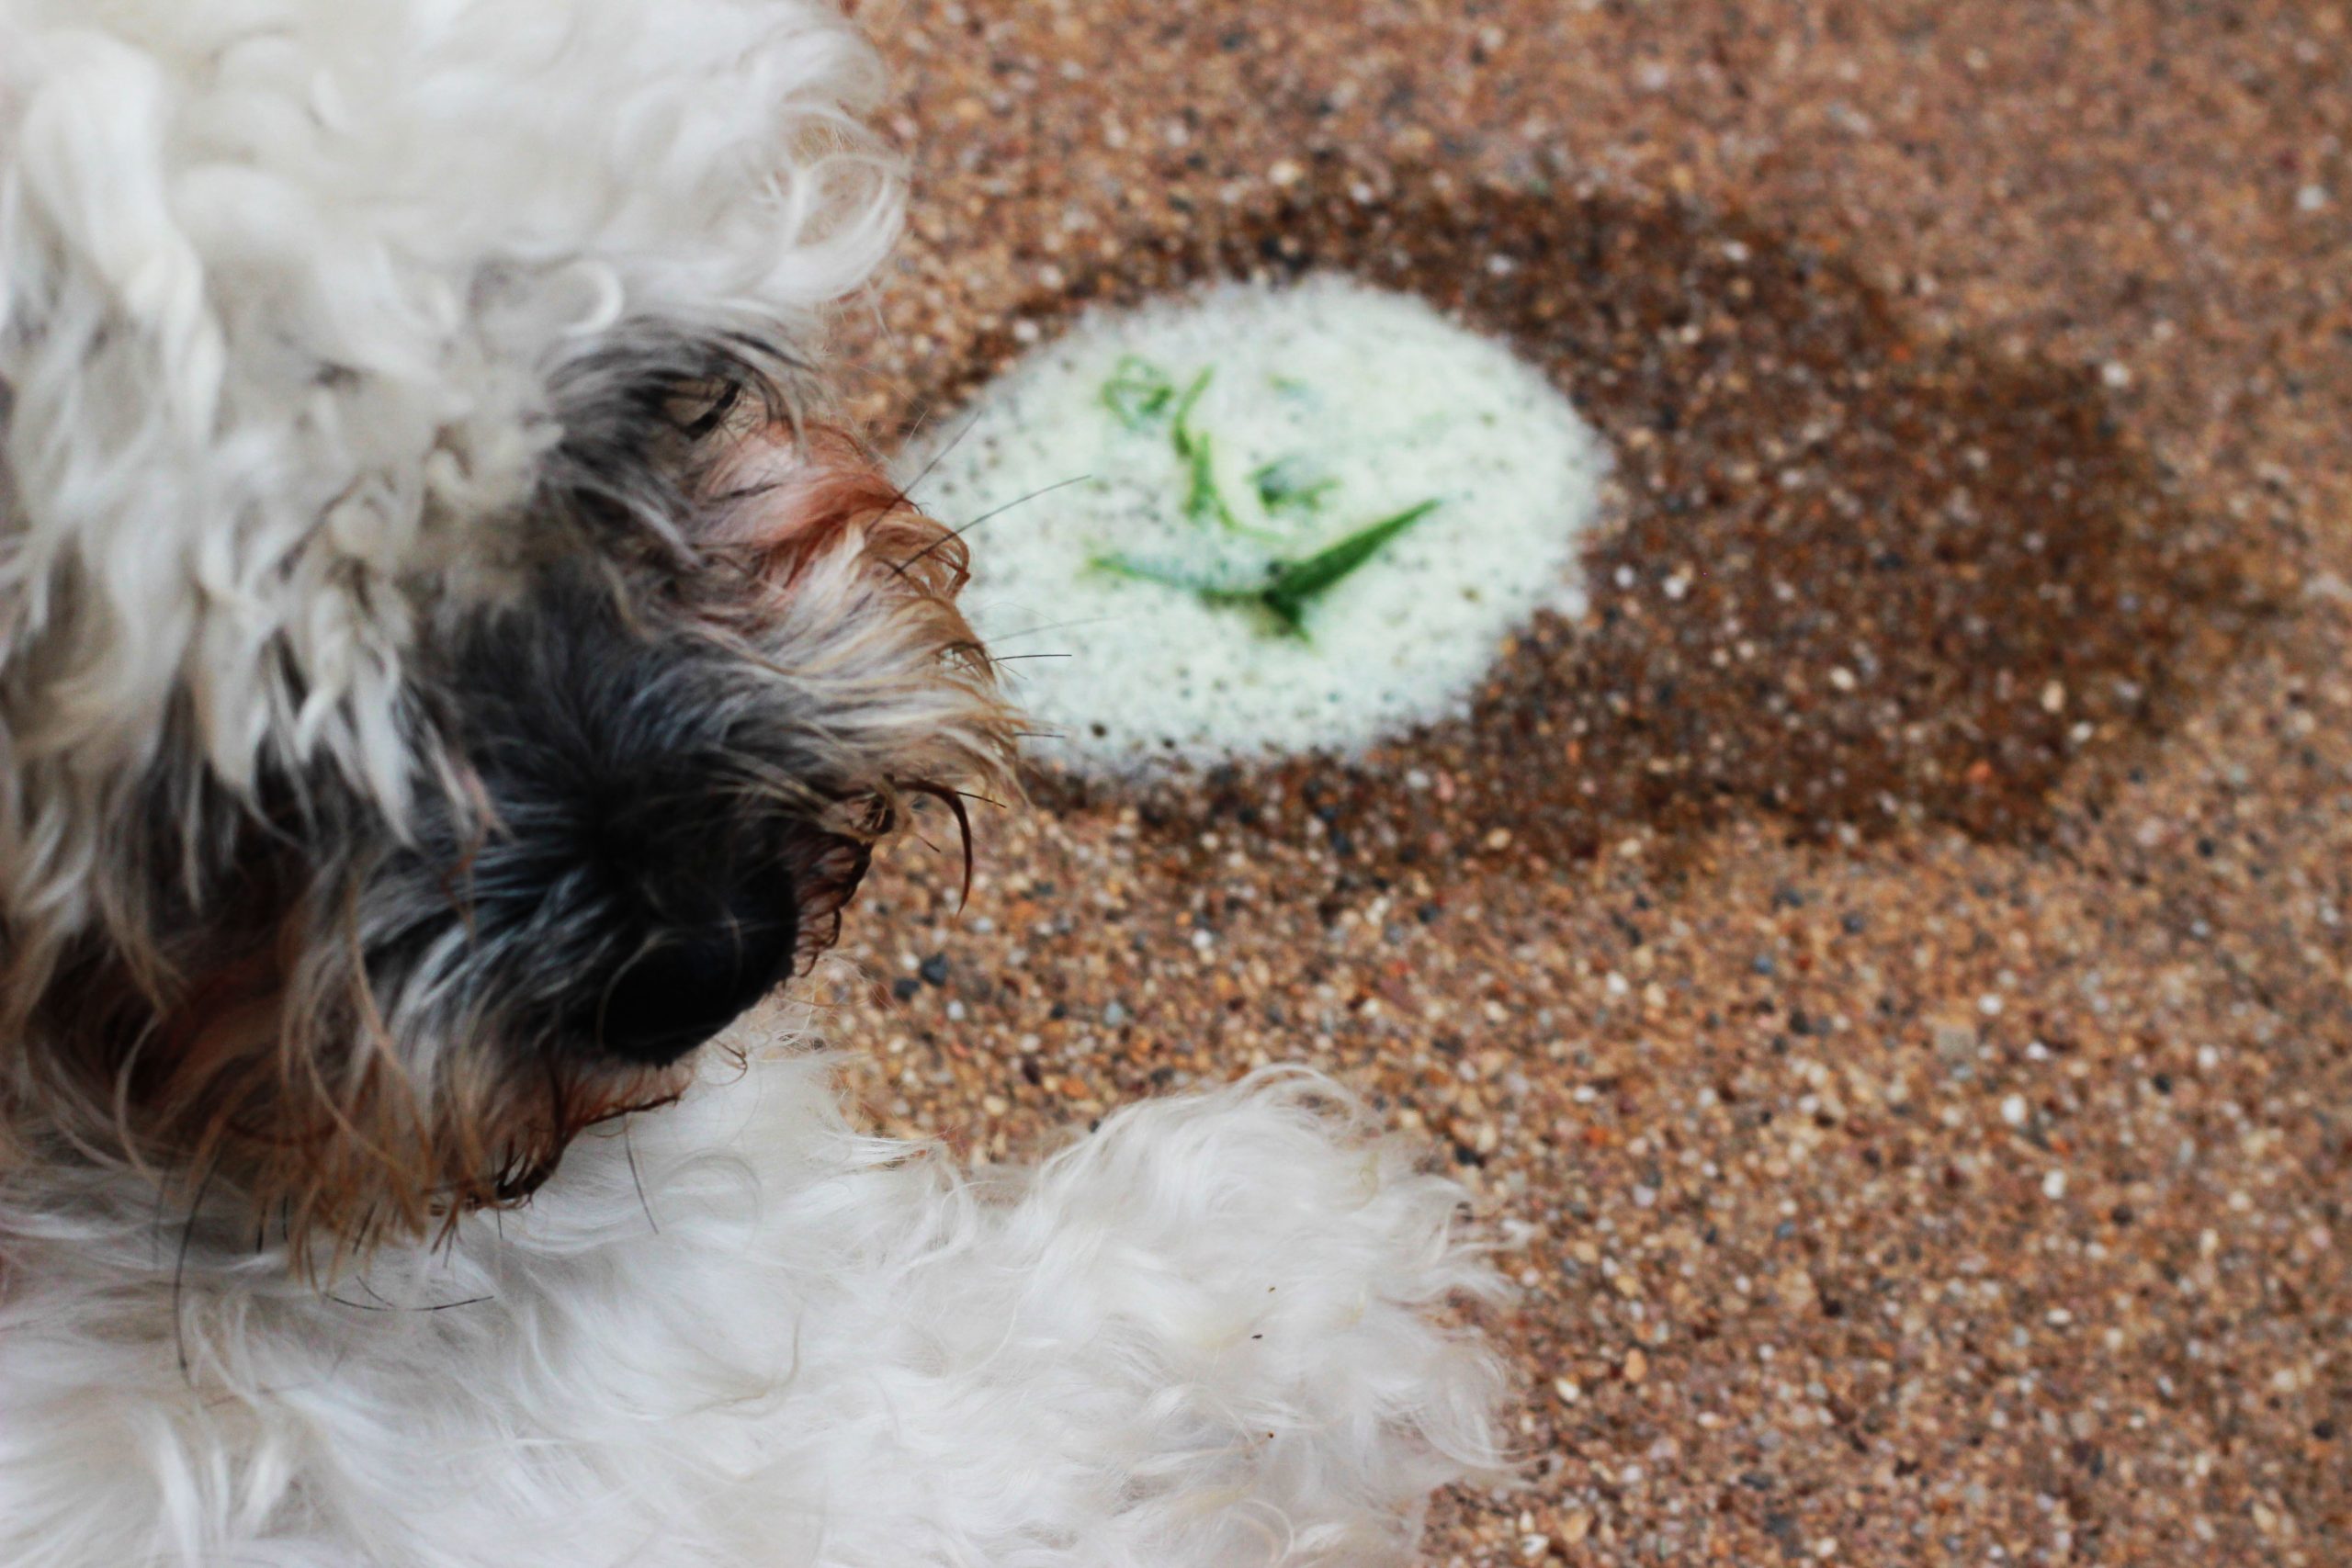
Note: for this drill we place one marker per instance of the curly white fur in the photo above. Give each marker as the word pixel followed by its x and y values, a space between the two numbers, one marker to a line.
pixel 283 288
pixel 289 291
pixel 1200 1338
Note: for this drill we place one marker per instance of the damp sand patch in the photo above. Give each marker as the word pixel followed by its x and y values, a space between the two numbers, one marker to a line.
pixel 1262 519
pixel 1860 576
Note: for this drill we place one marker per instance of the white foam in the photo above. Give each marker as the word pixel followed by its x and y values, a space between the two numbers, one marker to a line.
pixel 1373 389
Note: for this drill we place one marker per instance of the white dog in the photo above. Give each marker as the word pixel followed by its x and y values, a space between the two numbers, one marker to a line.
pixel 449 670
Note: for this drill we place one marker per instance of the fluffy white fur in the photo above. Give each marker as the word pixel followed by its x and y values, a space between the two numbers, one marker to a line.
pixel 283 288
pixel 286 288
pixel 1200 1336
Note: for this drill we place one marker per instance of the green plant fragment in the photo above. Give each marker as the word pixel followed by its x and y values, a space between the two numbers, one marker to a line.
pixel 1299 583
pixel 1180 430
pixel 1138 393
pixel 1292 484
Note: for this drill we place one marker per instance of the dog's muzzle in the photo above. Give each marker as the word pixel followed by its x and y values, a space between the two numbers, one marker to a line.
pixel 654 751
pixel 666 834
pixel 692 977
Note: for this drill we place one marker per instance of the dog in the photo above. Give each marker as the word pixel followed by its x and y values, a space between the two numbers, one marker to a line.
pixel 454 663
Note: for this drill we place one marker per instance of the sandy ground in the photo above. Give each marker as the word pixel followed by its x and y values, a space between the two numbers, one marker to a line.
pixel 1891 955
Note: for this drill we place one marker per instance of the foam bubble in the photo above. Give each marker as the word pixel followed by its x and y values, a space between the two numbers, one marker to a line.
pixel 1327 407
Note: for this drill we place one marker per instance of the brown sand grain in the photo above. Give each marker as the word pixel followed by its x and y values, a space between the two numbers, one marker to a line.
pixel 1892 955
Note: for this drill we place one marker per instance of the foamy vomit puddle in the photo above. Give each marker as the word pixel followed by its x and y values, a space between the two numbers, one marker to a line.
pixel 1262 520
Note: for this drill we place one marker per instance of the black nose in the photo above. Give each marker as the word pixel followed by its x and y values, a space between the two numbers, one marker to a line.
pixel 686 983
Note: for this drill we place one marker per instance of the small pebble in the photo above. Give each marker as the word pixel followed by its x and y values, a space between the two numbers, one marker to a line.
pixel 1962 466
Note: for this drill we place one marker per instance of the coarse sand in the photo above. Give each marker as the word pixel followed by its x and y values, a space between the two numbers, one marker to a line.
pixel 1889 951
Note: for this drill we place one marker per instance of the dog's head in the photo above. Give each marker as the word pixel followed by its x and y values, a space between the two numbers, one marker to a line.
pixel 448 668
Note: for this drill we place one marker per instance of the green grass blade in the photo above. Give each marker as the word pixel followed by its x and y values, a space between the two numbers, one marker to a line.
pixel 1138 392
pixel 1204 502
pixel 1201 502
pixel 1136 570
pixel 1292 484
pixel 1301 582
pixel 1181 430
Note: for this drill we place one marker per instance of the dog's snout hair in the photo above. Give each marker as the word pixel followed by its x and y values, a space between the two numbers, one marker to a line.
pixel 450 663
pixel 665 809
pixel 650 774
pixel 422 727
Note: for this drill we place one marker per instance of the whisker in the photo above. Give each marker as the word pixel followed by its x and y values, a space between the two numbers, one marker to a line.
pixel 900 495
pixel 987 516
pixel 954 800
pixel 903 495
pixel 907 490
pixel 911 431
pixel 1056 626
pixel 628 1147
pixel 437 1306
pixel 984 799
